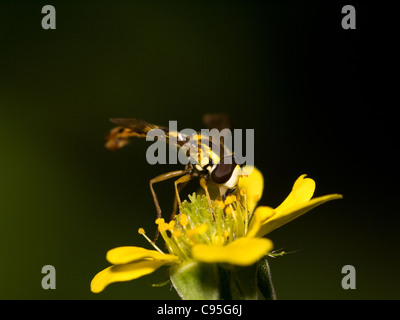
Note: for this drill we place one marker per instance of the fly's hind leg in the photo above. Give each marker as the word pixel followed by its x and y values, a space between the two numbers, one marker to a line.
pixel 160 178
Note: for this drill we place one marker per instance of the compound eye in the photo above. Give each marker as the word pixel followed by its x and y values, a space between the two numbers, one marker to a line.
pixel 223 170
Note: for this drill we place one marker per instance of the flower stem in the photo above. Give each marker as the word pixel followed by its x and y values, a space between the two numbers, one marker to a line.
pixel 265 280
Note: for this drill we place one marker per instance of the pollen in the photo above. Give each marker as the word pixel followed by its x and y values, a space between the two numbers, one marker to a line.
pixel 163 226
pixel 171 225
pixel 177 233
pixel 230 199
pixel 220 204
pixel 184 220
pixel 141 231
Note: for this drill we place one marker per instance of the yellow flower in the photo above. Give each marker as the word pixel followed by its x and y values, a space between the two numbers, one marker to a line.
pixel 233 235
pixel 129 263
pixel 297 203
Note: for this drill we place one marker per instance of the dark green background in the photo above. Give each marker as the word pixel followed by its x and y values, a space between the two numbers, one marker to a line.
pixel 313 92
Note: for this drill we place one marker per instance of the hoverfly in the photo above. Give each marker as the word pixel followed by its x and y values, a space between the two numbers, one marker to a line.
pixel 220 168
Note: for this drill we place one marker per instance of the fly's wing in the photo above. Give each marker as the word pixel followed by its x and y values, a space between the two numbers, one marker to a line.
pixel 138 126
pixel 129 127
pixel 220 121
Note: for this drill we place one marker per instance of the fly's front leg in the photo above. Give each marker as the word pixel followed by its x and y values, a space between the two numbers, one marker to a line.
pixel 184 179
pixel 175 205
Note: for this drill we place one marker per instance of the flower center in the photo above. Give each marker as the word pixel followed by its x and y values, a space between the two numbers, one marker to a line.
pixel 195 224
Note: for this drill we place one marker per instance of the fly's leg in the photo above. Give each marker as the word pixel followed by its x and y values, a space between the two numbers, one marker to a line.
pixel 160 178
pixel 181 180
pixel 175 205
pixel 203 184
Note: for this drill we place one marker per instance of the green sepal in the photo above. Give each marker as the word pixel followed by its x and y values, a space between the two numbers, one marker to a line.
pixel 196 281
pixel 202 281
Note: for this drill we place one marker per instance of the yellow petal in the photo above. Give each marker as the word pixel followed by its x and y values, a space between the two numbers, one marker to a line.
pixel 259 217
pixel 253 184
pixel 241 252
pixel 302 191
pixel 285 214
pixel 125 272
pixel 128 254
